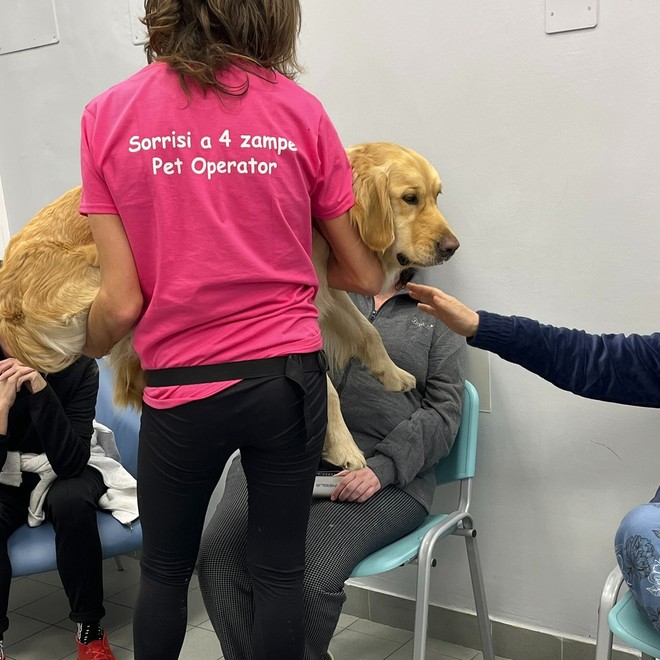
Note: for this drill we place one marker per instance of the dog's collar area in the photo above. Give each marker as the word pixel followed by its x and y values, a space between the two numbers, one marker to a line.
pixel 405 276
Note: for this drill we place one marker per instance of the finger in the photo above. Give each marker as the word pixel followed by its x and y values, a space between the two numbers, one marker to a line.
pixel 425 308
pixel 367 494
pixel 348 492
pixel 340 488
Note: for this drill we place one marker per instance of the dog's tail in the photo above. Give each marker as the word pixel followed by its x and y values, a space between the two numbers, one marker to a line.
pixel 129 378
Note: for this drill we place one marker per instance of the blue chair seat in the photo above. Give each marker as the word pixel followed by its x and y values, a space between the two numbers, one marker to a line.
pixel 631 626
pixel 401 552
pixel 32 549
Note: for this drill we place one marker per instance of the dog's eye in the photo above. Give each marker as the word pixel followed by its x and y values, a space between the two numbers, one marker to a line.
pixel 410 198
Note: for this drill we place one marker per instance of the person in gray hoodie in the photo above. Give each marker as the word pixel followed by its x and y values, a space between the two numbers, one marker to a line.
pixel 402 434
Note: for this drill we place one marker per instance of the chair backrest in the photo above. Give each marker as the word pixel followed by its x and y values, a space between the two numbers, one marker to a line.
pixel 125 423
pixel 461 461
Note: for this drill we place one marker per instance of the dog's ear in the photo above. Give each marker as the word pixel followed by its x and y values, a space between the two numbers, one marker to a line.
pixel 372 213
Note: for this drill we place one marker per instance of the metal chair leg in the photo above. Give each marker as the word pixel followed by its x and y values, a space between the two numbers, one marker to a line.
pixel 485 628
pixel 424 564
pixel 608 597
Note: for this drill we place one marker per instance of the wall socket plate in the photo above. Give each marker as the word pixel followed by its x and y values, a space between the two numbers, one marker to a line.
pixel 567 15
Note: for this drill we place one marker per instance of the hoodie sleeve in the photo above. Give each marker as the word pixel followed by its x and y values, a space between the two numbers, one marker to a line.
pixel 610 367
pixel 65 426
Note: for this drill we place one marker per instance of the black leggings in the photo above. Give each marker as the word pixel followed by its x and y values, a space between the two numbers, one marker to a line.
pixel 71 506
pixel 183 451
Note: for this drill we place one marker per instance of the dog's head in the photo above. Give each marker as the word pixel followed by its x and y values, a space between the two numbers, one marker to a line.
pixel 395 208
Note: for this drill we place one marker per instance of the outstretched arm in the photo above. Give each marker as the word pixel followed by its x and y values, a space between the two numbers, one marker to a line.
pixel 118 304
pixel 613 367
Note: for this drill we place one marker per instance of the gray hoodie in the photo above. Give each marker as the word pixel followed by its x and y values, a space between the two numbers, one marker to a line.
pixel 404 434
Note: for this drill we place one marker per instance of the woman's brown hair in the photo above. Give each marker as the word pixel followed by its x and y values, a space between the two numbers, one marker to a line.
pixel 198 38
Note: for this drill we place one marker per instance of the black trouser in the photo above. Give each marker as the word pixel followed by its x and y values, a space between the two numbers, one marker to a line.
pixel 183 451
pixel 71 506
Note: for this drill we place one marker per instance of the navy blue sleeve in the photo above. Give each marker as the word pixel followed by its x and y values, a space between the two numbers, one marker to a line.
pixel 617 368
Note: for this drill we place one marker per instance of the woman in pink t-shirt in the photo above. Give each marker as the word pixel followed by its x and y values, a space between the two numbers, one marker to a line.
pixel 201 175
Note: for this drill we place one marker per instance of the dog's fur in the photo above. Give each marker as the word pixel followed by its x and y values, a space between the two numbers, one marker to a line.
pixel 50 276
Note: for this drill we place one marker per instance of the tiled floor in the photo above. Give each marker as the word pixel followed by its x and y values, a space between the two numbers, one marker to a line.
pixel 40 628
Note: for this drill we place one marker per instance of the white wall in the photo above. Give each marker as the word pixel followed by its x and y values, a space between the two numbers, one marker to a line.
pixel 549 149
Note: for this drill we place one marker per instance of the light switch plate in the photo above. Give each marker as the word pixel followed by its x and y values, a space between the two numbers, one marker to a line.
pixel 566 15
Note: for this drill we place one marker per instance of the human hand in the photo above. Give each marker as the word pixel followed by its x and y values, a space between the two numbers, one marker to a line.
pixel 456 316
pixel 356 485
pixel 15 372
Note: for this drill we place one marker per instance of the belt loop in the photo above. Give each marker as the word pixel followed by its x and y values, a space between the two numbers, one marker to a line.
pixel 322 359
pixel 294 371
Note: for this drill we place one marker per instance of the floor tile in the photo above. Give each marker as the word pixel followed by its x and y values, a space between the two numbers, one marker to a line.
pixel 379 630
pixel 349 645
pixel 122 637
pixel 406 652
pixel 21 627
pixel 49 644
pixel 126 597
pixel 115 580
pixel 345 620
pixel 51 577
pixel 202 644
pixel 25 591
pixel 196 611
pixel 50 608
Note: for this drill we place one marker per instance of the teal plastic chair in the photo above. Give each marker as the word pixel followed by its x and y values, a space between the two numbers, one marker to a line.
pixel 459 466
pixel 32 549
pixel 622 619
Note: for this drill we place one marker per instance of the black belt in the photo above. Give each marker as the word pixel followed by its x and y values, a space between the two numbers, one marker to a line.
pixel 291 366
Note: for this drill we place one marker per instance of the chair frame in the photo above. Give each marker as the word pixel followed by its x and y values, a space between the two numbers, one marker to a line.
pixel 458 466
pixel 604 634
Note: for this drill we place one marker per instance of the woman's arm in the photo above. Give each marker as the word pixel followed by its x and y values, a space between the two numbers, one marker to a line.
pixel 613 367
pixel 64 425
pixel 118 304
pixel 352 266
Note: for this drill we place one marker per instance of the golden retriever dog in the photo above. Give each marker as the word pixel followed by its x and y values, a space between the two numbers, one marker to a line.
pixel 50 276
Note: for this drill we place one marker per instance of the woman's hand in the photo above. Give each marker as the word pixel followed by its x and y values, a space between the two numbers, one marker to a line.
pixel 356 485
pixel 455 315
pixel 14 374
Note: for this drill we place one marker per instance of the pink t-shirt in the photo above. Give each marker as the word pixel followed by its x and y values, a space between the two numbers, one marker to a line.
pixel 216 197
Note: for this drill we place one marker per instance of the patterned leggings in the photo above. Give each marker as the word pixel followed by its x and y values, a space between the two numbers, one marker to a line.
pixel 339 536
pixel 637 547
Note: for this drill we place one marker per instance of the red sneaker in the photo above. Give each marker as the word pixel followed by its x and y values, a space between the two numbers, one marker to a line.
pixel 98 650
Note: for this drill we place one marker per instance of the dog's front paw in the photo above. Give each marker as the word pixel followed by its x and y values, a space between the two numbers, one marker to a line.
pixel 398 380
pixel 350 458
pixel 340 448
